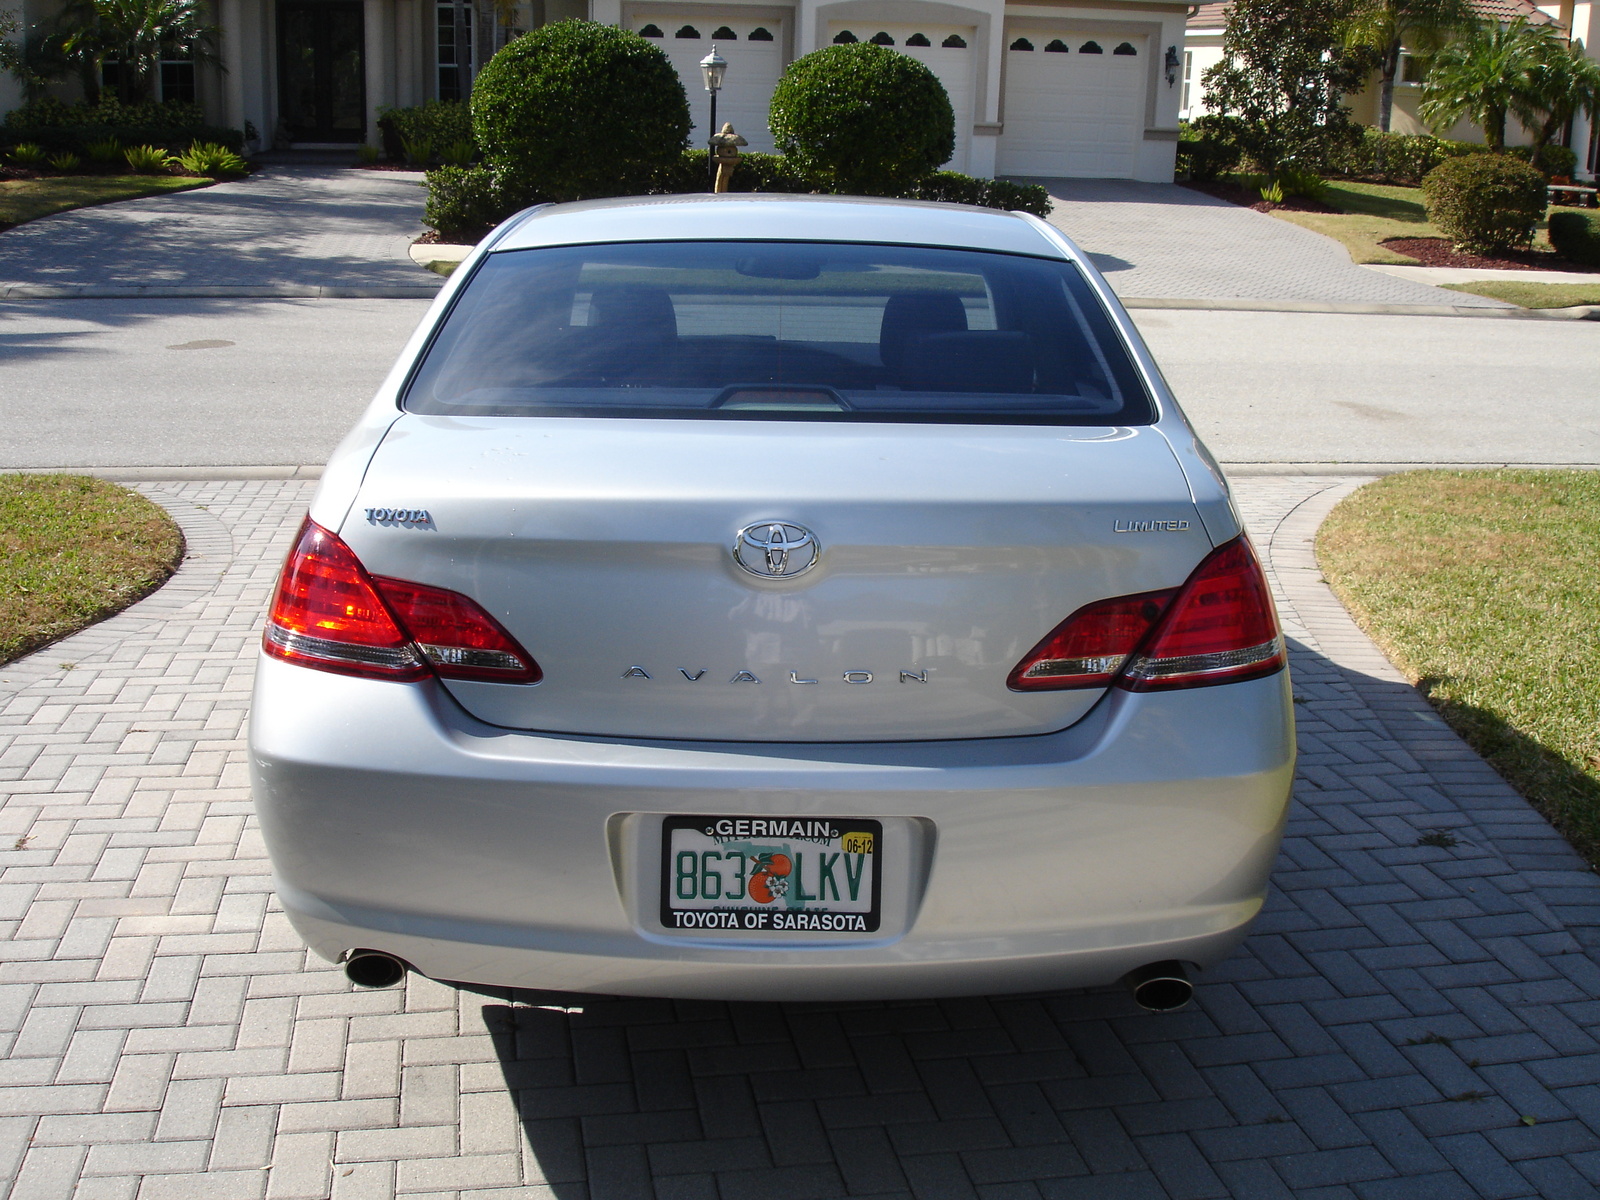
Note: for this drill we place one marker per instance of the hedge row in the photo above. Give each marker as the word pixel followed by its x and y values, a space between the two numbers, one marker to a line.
pixel 463 202
pixel 173 125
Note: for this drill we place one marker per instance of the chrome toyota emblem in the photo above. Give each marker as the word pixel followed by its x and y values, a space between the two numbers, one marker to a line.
pixel 776 549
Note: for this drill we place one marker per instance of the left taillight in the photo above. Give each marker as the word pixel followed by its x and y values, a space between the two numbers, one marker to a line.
pixel 330 614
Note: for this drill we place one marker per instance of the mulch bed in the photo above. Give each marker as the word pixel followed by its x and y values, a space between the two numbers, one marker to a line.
pixel 1437 252
pixel 1250 198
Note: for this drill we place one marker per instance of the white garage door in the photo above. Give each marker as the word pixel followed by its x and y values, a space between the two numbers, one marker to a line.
pixel 754 50
pixel 1074 104
pixel 946 50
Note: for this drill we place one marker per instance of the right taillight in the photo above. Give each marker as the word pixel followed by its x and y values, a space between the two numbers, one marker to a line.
pixel 330 614
pixel 1219 627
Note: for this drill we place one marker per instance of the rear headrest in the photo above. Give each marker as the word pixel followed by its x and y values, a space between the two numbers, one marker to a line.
pixel 635 311
pixel 911 314
pixel 981 360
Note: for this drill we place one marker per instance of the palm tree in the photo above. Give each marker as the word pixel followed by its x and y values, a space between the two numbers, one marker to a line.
pixel 1385 26
pixel 1484 76
pixel 138 34
pixel 1564 81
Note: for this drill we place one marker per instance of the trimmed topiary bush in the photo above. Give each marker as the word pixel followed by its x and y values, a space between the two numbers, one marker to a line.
pixel 862 119
pixel 1576 237
pixel 578 110
pixel 756 172
pixel 1485 203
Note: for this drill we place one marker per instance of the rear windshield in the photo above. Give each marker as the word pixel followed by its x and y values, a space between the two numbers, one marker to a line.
pixel 780 330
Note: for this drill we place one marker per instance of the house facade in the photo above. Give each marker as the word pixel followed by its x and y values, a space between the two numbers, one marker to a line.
pixel 1050 88
pixel 1203 50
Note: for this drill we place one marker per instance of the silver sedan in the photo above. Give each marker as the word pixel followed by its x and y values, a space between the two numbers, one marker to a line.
pixel 772 597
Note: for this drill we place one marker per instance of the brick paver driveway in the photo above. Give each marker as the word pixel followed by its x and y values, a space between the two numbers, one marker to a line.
pixel 1413 1017
pixel 287 228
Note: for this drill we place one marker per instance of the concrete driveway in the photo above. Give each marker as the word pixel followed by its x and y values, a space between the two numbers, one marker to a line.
pixel 1160 240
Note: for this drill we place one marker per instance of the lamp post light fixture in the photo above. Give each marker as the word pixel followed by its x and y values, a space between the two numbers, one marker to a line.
pixel 713 66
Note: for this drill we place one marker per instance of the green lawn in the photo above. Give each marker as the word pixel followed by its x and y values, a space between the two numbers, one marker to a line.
pixel 1533 295
pixel 1484 588
pixel 74 550
pixel 1369 213
pixel 24 199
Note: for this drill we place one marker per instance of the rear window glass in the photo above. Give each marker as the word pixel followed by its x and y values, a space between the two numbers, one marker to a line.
pixel 779 330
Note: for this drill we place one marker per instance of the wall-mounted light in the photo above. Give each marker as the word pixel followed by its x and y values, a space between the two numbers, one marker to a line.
pixel 1172 65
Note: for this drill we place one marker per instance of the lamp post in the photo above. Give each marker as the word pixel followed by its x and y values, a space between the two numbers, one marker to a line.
pixel 713 66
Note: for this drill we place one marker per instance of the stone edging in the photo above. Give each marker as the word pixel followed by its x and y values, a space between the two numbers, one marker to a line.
pixel 208 551
pixel 1554 871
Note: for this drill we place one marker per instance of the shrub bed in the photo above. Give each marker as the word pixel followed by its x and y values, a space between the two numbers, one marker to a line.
pixel 1396 157
pixel 77 128
pixel 436 129
pixel 1485 203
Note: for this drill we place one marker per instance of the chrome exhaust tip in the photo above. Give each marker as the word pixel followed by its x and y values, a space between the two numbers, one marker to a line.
pixel 373 968
pixel 1160 986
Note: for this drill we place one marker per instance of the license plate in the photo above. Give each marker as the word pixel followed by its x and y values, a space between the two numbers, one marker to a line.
pixel 771 874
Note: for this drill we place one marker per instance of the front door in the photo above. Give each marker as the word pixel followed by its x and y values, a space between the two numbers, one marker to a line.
pixel 322 74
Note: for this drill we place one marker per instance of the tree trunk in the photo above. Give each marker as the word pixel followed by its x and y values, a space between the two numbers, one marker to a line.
pixel 1494 129
pixel 1389 68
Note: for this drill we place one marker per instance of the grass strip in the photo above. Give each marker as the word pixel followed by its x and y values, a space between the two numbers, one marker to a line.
pixel 24 199
pixel 1532 295
pixel 1484 588
pixel 74 550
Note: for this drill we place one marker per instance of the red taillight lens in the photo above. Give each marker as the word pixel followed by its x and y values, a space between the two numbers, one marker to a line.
pixel 328 613
pixel 457 636
pixel 1221 628
pixel 1091 646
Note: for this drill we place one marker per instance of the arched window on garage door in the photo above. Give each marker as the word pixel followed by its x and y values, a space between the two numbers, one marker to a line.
pixel 918 39
pixel 1090 48
pixel 758 34
pixel 954 42
pixel 881 39
pixel 651 31
pixel 1056 46
pixel 845 38
pixel 1022 44
pixel 723 34
pixel 1125 48
pixel 688 31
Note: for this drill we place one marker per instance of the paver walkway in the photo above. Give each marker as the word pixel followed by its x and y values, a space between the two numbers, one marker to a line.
pixel 1414 1016
pixel 1159 240
pixel 285 227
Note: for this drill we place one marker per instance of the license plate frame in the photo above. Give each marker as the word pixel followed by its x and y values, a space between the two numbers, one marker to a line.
pixel 819 852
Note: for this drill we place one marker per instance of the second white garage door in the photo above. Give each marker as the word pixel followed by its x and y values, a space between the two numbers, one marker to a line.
pixel 754 50
pixel 1074 104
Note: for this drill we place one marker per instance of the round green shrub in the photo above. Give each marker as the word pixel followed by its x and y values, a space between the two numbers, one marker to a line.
pixel 862 119
pixel 1485 203
pixel 464 202
pixel 577 110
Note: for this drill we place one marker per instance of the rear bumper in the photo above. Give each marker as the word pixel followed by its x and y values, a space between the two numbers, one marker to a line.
pixel 397 822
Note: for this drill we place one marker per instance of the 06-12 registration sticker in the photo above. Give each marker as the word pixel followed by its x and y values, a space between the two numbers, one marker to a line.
pixel 771 874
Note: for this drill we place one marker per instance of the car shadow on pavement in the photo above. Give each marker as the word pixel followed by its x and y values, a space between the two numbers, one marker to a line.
pixel 1413 1014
